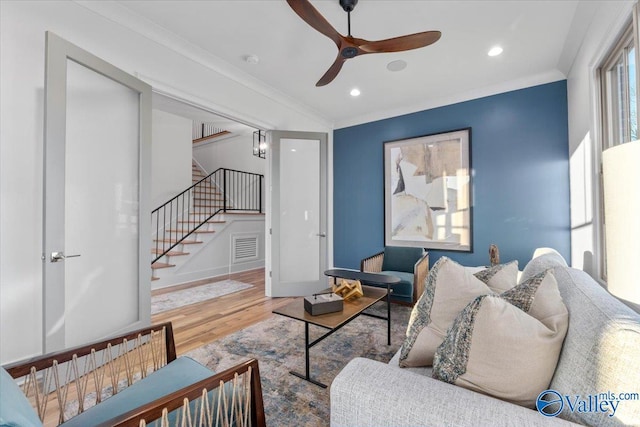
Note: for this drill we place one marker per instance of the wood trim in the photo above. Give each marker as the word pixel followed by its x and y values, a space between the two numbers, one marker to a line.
pixel 372 264
pixel 170 343
pixel 173 401
pixel 420 272
pixel 21 368
pixel 213 136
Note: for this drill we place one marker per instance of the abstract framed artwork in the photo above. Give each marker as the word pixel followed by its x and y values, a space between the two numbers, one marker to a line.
pixel 427 191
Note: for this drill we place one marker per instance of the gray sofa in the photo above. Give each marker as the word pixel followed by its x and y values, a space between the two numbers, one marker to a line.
pixel 600 354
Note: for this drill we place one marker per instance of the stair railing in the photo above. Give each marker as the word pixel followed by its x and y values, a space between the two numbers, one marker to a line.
pixel 225 190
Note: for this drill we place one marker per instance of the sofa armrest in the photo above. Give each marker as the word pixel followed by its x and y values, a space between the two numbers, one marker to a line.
pixel 371 393
pixel 420 271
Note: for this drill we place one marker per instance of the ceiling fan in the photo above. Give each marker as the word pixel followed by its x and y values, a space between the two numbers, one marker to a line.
pixel 350 47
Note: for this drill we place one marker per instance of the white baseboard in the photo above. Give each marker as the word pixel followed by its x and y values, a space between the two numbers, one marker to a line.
pixel 179 279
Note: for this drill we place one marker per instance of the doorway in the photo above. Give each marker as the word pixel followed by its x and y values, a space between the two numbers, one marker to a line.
pixel 97 159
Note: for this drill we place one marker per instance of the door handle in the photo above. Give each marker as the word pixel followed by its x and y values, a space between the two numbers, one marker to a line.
pixel 321 235
pixel 60 256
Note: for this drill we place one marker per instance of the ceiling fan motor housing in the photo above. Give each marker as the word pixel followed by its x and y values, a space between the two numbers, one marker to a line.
pixel 348 5
pixel 349 52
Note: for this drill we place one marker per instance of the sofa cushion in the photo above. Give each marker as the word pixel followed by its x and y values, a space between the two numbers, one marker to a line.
pixel 601 350
pixel 506 346
pixel 448 289
pixel 500 277
pixel 495 348
pixel 178 374
pixel 398 258
pixel 15 409
pixel 543 259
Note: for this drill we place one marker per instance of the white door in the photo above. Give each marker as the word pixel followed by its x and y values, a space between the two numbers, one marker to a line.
pixel 298 213
pixel 96 250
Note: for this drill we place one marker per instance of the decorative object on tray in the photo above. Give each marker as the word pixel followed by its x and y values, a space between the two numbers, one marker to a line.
pixel 323 303
pixel 427 192
pixel 494 254
pixel 348 289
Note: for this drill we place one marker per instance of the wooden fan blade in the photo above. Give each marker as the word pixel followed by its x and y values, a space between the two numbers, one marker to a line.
pixel 399 44
pixel 332 72
pixel 311 16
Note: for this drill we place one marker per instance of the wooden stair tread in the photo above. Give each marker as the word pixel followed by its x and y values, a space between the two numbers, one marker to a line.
pixel 195 231
pixel 212 136
pixel 170 253
pixel 243 213
pixel 199 222
pixel 184 242
pixel 158 265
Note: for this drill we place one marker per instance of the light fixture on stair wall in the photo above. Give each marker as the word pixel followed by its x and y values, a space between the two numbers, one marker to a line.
pixel 260 144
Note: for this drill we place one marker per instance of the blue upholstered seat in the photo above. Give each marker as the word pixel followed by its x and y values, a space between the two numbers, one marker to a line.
pixel 402 291
pixel 398 258
pixel 401 262
pixel 178 374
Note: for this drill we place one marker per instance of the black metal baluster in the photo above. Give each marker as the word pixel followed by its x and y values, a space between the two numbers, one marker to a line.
pixel 236 185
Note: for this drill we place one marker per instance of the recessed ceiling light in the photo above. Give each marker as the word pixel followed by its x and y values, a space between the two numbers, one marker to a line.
pixel 495 51
pixel 355 92
pixel 251 59
pixel 398 65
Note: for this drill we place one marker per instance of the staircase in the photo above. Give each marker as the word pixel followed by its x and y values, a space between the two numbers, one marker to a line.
pixel 193 216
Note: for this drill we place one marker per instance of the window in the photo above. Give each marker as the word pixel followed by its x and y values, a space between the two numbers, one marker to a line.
pixel 619 100
pixel 618 106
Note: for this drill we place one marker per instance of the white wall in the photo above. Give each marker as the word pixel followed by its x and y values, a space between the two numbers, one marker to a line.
pixel 22 28
pixel 607 22
pixel 170 156
pixel 232 153
pixel 213 258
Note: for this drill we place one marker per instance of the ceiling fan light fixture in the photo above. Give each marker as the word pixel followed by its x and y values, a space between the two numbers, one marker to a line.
pixel 355 92
pixel 495 51
pixel 397 65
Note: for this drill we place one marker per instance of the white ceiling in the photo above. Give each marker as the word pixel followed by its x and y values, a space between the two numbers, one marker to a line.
pixel 540 40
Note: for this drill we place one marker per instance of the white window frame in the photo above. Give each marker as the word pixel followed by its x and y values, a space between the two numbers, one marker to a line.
pixel 630 36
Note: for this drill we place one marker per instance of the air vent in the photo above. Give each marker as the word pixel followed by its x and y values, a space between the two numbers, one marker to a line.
pixel 244 248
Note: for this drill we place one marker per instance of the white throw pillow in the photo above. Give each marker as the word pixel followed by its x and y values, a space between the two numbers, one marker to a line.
pixel 506 346
pixel 449 288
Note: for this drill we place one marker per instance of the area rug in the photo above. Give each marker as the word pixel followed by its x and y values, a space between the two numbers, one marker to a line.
pixel 171 300
pixel 278 344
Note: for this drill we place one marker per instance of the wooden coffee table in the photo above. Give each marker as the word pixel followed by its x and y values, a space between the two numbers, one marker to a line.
pixel 331 321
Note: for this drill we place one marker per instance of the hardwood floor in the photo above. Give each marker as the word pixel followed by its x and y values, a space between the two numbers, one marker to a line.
pixel 198 324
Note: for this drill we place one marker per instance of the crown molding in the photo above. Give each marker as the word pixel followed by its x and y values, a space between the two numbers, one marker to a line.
pixel 521 83
pixel 119 14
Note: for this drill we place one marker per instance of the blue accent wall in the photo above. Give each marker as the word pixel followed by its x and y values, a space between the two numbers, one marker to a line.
pixel 520 162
